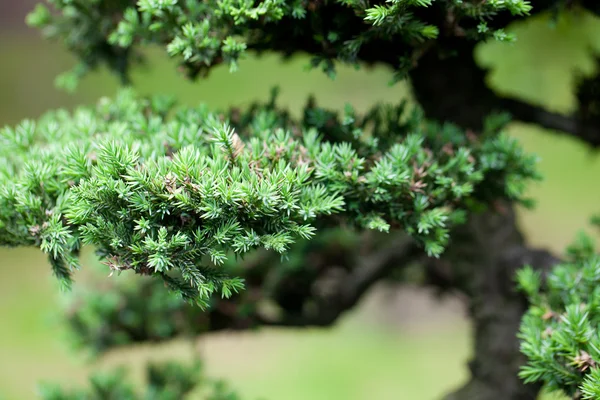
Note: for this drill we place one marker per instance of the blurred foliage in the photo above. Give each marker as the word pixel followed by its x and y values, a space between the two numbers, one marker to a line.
pixel 164 381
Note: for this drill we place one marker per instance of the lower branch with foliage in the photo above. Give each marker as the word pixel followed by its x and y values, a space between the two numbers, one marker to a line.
pixel 205 203
pixel 251 217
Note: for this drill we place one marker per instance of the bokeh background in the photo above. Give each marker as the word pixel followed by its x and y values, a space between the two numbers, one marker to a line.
pixel 402 342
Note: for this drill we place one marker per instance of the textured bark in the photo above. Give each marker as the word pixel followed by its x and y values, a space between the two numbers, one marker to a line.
pixel 482 263
pixel 484 254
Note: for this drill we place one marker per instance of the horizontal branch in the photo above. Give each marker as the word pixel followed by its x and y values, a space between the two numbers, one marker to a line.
pixel 368 270
pixel 588 132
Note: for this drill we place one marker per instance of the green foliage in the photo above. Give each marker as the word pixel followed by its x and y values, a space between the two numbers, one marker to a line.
pixel 173 195
pixel 164 381
pixel 113 313
pixel 132 310
pixel 128 311
pixel 559 333
pixel 202 34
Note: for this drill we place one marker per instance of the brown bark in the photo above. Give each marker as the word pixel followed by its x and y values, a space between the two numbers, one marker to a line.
pixel 484 255
pixel 482 263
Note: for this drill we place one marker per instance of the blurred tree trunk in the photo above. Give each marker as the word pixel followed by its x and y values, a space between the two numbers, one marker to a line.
pixel 484 254
pixel 482 264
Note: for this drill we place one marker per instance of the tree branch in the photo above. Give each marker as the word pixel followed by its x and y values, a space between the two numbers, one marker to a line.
pixel 468 100
pixel 349 290
pixel 588 132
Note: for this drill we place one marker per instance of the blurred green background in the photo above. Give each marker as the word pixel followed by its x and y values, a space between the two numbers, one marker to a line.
pixel 401 343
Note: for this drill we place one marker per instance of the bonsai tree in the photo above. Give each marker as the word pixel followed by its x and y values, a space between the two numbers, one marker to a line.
pixel 235 219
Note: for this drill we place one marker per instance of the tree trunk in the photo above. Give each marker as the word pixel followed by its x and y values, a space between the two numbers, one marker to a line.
pixel 485 253
pixel 482 264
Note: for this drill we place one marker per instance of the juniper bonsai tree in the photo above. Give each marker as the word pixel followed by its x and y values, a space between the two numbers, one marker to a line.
pixel 241 218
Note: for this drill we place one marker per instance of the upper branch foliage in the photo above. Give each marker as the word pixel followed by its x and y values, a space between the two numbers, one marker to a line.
pixel 173 193
pixel 201 34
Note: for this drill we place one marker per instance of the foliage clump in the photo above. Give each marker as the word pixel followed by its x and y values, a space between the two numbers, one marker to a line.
pixel 173 193
pixel 186 195
pixel 164 381
pixel 202 34
pixel 559 333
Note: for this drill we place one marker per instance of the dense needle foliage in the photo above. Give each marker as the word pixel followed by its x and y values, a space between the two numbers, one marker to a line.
pixel 173 197
pixel 560 331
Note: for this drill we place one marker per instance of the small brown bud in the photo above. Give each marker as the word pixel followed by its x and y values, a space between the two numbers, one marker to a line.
pixel 549 314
